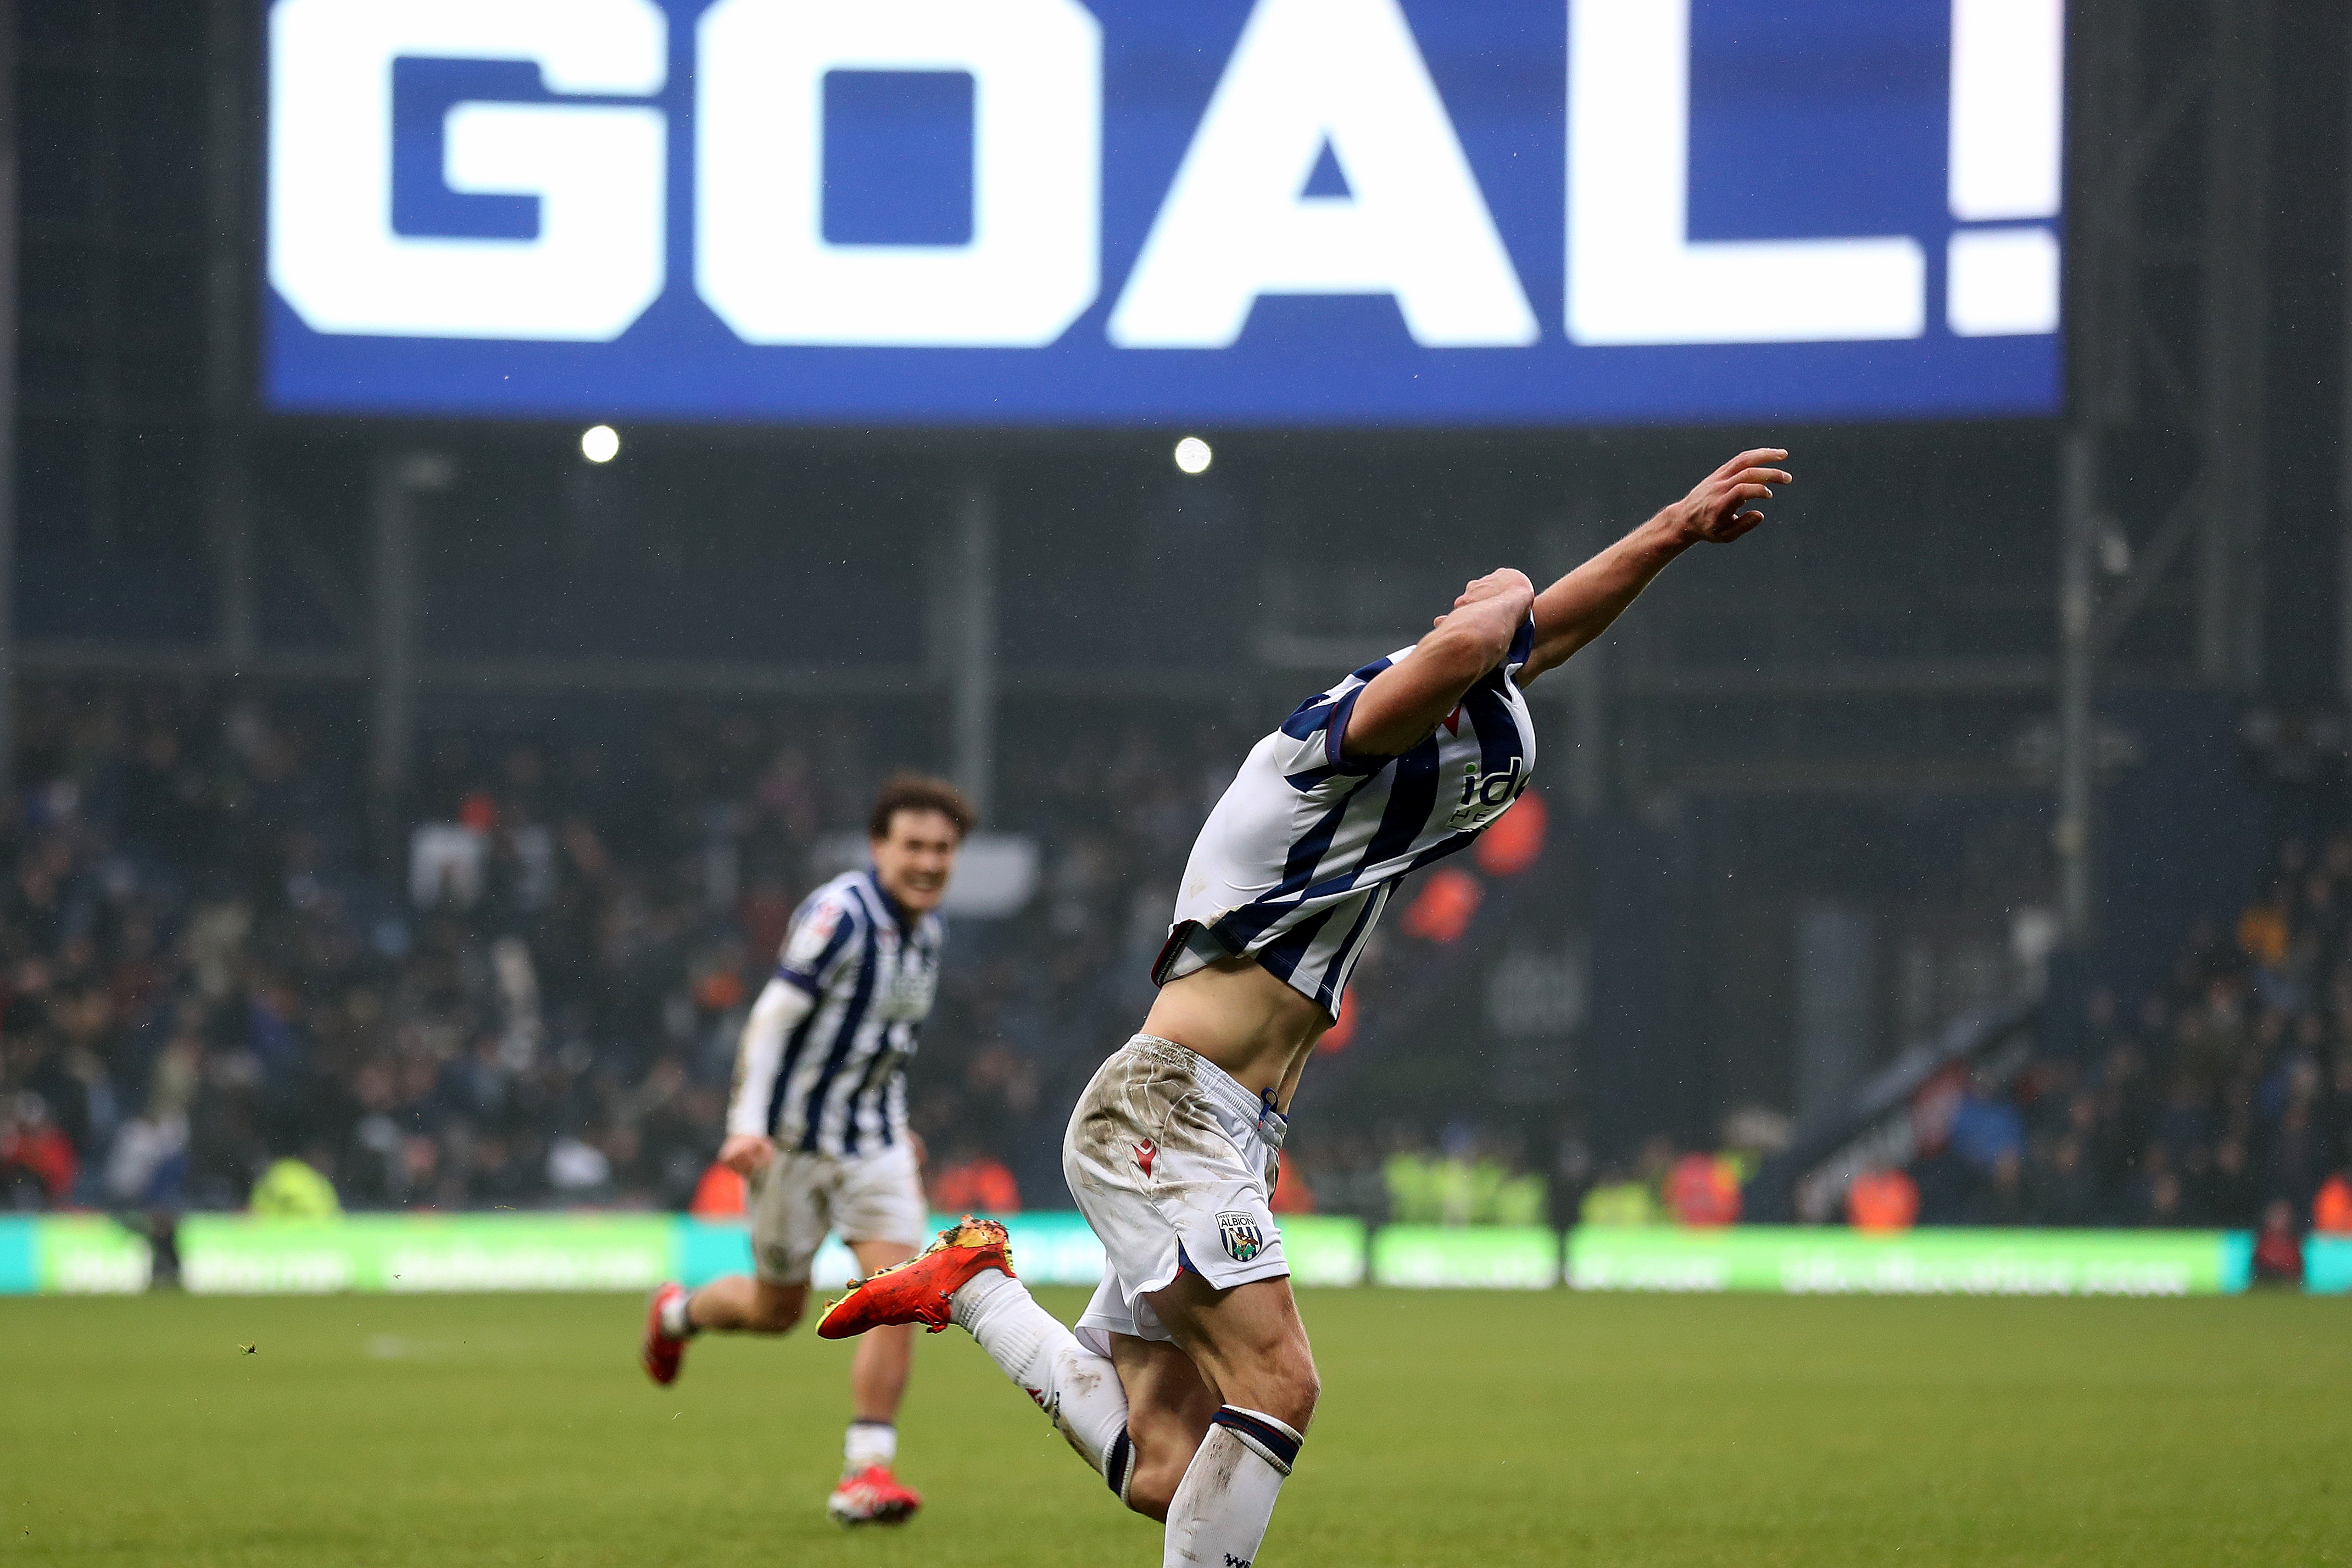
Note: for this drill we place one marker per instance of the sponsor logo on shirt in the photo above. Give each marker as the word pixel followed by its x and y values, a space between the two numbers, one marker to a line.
pixel 1485 796
pixel 910 993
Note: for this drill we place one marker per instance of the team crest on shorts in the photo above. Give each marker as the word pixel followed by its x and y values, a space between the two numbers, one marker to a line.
pixel 1243 1240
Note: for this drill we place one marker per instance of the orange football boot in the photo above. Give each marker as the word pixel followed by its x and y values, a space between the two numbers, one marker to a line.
pixel 872 1495
pixel 916 1290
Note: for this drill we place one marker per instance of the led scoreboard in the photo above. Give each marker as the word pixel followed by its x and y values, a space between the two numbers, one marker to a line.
pixel 1002 213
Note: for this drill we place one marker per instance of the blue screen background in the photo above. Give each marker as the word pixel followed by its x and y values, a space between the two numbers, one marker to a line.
pixel 1821 119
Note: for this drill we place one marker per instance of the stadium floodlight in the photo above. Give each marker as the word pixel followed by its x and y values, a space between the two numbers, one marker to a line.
pixel 600 444
pixel 1192 455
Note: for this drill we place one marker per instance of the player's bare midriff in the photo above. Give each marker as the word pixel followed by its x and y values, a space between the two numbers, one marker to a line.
pixel 1244 1019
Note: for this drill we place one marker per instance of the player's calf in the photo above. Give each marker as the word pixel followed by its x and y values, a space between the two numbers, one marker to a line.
pixel 740 1304
pixel 1168 1415
pixel 733 1304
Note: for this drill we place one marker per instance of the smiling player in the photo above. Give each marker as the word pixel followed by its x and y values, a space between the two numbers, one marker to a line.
pixel 1189 1383
pixel 818 1120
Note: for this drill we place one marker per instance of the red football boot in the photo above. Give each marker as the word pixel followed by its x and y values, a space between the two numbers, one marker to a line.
pixel 916 1290
pixel 872 1495
pixel 657 1351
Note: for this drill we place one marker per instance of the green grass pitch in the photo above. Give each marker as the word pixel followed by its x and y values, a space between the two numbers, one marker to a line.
pixel 1457 1429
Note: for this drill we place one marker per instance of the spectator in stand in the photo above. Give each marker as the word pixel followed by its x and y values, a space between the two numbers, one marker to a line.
pixel 974 1182
pixel 1702 1190
pixel 1882 1202
pixel 2059 1188
pixel 1292 1194
pixel 2331 1210
pixel 1617 1199
pixel 1480 1179
pixel 2278 1249
pixel 38 1161
pixel 1343 1178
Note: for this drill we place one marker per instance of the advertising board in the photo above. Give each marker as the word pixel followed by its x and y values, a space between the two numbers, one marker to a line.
pixel 1818 1260
pixel 2328 1265
pixel 1484 1257
pixel 239 1255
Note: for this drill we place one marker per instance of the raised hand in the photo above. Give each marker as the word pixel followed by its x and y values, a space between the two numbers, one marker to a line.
pixel 1717 511
pixel 1580 606
pixel 1506 582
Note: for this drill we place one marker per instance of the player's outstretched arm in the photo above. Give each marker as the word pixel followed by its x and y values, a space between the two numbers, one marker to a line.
pixel 1580 606
pixel 759 1056
pixel 1403 703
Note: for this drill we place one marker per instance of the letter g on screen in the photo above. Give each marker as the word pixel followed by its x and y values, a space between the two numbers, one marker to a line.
pixel 595 169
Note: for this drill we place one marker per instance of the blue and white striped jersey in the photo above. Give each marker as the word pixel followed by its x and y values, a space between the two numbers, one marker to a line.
pixel 840 1087
pixel 1298 860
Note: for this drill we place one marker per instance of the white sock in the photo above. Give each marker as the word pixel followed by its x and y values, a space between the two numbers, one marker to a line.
pixel 870 1443
pixel 1221 1509
pixel 674 1321
pixel 1078 1390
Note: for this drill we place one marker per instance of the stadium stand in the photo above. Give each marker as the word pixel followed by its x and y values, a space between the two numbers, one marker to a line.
pixel 2221 1097
pixel 209 962
pixel 206 966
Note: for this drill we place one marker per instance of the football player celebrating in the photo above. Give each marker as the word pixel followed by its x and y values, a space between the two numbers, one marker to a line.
pixel 818 1121
pixel 1189 1385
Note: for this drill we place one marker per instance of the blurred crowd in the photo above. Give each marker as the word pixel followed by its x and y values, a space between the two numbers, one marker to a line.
pixel 526 988
pixel 2221 1097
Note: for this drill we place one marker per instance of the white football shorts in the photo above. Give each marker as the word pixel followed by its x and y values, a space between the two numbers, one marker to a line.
pixel 798 1196
pixel 1171 1161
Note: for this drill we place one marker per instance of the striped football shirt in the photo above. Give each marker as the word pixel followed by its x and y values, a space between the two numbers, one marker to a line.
pixel 1298 858
pixel 840 1087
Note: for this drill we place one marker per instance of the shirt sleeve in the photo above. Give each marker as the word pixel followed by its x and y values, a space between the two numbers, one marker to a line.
pixel 759 1055
pixel 821 940
pixel 1308 746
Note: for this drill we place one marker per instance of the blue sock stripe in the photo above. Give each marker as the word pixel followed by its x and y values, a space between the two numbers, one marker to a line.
pixel 1276 1442
pixel 1115 1466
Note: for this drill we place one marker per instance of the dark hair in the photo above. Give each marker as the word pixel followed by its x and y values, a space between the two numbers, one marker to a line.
pixel 913 792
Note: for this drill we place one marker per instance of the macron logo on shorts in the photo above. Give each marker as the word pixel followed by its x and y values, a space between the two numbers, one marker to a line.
pixel 1145 1153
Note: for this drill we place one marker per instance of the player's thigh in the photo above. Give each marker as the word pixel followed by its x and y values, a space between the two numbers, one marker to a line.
pixel 1247 1341
pixel 790 1210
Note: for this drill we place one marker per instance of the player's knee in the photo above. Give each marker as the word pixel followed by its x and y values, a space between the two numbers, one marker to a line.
pixel 1300 1395
pixel 1292 1387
